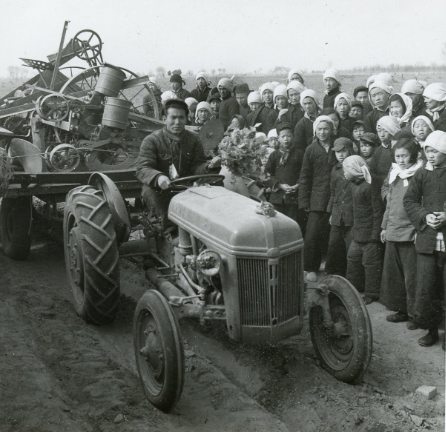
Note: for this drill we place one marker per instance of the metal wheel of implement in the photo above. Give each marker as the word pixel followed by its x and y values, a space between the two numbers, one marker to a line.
pixel 159 350
pixel 64 158
pixel 345 349
pixel 52 107
pixel 15 226
pixel 91 255
pixel 87 45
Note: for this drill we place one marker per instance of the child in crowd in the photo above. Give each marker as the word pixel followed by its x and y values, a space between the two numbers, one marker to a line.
pixel 379 93
pixel 214 101
pixel 314 193
pixel 303 132
pixel 422 127
pixel 364 256
pixel 339 130
pixel 342 105
pixel 259 113
pixel 280 106
pixel 357 133
pixel 382 158
pixel 203 113
pixel 267 93
pixel 294 111
pixel 401 108
pixel 357 110
pixel 332 83
pixel 400 260
pixel 367 145
pixel 229 105
pixel 237 122
pixel 424 203
pixel 283 166
pixel 192 105
pixel 341 210
pixel 361 94
pixel 435 99
pixel 414 89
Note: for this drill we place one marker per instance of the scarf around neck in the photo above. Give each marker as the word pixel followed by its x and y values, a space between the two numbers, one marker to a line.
pixel 403 174
pixel 435 112
pixel 285 153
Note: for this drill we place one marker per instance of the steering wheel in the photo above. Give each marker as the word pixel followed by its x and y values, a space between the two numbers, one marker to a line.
pixel 178 186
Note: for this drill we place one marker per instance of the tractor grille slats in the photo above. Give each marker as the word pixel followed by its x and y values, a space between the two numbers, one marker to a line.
pixel 269 294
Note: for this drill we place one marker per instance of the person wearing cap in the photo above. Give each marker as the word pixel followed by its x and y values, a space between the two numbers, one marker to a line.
pixel 421 128
pixel 361 94
pixel 241 92
pixel 280 106
pixel 229 106
pixel 267 93
pixel 357 110
pixel 176 84
pixel 332 83
pixel 259 113
pixel 203 113
pixel 314 193
pixel 364 256
pixel 214 101
pixel 147 101
pixel 379 94
pixel 424 203
pixel 167 154
pixel 283 167
pixel 303 132
pixel 398 284
pixel 435 100
pixel 368 143
pixel 201 91
pixel 341 211
pixel 414 89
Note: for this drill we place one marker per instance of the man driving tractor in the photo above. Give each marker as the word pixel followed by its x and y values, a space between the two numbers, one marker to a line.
pixel 168 154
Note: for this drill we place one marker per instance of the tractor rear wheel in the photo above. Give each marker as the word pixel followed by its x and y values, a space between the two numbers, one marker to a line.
pixel 345 349
pixel 91 255
pixel 15 227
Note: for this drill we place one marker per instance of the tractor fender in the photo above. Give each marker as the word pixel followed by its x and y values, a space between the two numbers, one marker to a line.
pixel 116 203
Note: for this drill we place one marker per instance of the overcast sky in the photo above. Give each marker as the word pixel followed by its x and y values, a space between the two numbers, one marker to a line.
pixel 239 35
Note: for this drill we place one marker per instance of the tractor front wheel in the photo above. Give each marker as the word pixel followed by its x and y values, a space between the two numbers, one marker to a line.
pixel 15 227
pixel 345 349
pixel 91 255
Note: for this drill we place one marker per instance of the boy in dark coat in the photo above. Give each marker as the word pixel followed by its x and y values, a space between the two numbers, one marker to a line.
pixel 364 256
pixel 241 92
pixel 379 96
pixel 303 132
pixel 176 83
pixel 259 113
pixel 229 106
pixel 332 83
pixel 341 210
pixel 201 92
pixel 368 143
pixel 424 203
pixel 283 166
pixel 314 193
pixel 361 94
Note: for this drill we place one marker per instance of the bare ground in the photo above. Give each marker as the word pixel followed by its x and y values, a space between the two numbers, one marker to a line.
pixel 59 374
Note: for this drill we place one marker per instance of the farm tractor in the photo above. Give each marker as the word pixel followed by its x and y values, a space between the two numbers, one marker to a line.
pixel 226 257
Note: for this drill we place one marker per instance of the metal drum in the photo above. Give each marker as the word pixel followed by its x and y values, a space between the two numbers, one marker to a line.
pixel 110 81
pixel 116 113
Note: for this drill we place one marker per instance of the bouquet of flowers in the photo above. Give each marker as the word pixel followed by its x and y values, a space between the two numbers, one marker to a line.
pixel 240 152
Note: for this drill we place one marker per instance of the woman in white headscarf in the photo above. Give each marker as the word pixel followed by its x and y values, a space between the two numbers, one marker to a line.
pixel 435 99
pixel 414 89
pixel 401 108
pixel 295 75
pixel 332 83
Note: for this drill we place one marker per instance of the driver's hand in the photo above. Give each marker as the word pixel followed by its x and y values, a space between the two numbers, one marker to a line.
pixel 164 182
pixel 215 162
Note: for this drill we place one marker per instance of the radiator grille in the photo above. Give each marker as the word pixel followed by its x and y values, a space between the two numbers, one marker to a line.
pixel 269 293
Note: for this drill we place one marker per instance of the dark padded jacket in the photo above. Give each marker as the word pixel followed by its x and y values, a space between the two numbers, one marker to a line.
pixel 426 194
pixel 260 115
pixel 200 95
pixel 315 175
pixel 294 114
pixel 368 211
pixel 228 108
pixel 380 164
pixel 372 118
pixel 303 133
pixel 158 151
pixel 330 97
pixel 340 205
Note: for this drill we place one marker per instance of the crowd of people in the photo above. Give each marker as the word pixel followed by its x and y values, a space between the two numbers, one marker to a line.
pixel 364 175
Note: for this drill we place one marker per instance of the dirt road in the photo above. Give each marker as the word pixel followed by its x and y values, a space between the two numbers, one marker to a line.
pixel 59 374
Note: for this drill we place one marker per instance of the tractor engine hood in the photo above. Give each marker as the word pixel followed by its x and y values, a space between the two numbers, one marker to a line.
pixel 228 221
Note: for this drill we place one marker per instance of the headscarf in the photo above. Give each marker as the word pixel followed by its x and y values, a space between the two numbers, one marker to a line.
pixel 426 120
pixel 309 93
pixel 333 73
pixel 343 96
pixel 190 101
pixel 436 92
pixel 385 78
pixel 280 90
pixel 168 95
pixel 413 86
pixel 320 119
pixel 381 85
pixel 390 124
pixel 202 75
pixel 370 80
pixel 407 101
pixel 260 138
pixel 436 140
pixel 267 86
pixel 293 72
pixel 254 97
pixel 397 171
pixel 357 168
pixel 203 105
pixel 226 83
pixel 296 85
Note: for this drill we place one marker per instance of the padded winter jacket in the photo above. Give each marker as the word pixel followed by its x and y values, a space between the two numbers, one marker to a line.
pixel 340 205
